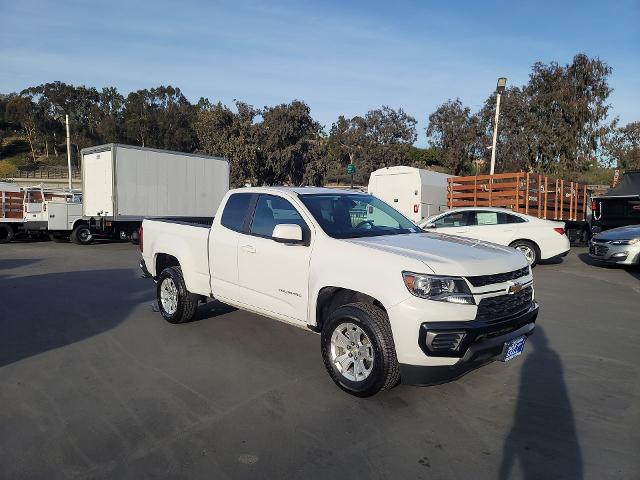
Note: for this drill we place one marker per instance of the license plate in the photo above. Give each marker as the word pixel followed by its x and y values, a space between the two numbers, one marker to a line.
pixel 513 348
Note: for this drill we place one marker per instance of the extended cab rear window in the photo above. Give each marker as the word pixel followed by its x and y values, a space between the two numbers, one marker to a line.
pixel 235 211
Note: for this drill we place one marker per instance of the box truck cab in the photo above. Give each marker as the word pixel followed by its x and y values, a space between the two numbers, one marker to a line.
pixel 416 193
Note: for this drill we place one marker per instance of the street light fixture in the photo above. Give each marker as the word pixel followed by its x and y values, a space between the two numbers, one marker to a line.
pixel 500 87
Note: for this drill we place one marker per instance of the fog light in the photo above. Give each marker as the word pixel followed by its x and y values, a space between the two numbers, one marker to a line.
pixel 619 255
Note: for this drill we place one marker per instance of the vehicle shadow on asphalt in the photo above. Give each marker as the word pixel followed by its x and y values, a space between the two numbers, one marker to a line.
pixel 39 313
pixel 543 438
pixel 8 264
pixel 632 270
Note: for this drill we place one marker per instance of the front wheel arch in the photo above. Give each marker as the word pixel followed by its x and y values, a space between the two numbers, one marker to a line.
pixel 331 298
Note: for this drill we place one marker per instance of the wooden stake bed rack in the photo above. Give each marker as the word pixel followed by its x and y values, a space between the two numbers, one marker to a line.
pixel 532 194
pixel 12 204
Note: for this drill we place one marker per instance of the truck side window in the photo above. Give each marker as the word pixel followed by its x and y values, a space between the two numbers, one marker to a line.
pixel 272 210
pixel 235 211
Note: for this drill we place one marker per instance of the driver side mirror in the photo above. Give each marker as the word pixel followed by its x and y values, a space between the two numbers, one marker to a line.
pixel 287 233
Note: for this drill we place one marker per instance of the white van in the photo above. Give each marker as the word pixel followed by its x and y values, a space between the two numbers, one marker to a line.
pixel 414 192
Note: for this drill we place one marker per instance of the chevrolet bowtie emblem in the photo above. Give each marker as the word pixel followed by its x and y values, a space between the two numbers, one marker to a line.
pixel 514 288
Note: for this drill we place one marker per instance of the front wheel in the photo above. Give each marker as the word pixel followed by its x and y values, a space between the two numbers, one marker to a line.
pixel 529 250
pixel 176 303
pixel 358 350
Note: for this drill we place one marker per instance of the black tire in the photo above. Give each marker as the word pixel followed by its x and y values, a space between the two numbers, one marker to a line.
pixel 57 238
pixel 82 235
pixel 525 245
pixel 6 233
pixel 385 371
pixel 187 302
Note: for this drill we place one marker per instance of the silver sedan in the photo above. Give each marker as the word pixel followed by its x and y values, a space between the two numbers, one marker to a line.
pixel 619 245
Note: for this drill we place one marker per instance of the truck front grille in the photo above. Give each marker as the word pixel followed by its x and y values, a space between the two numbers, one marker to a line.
pixel 482 280
pixel 495 309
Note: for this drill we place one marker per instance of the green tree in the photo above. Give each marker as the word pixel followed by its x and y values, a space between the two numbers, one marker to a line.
pixel 24 112
pixel 162 118
pixel 383 137
pixel 229 134
pixel 110 127
pixel 288 139
pixel 519 132
pixel 457 134
pixel 569 107
pixel 623 145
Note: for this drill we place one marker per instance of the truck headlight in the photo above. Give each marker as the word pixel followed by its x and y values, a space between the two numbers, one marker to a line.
pixel 632 241
pixel 435 287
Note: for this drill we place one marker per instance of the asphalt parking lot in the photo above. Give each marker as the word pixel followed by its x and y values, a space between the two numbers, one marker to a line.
pixel 95 384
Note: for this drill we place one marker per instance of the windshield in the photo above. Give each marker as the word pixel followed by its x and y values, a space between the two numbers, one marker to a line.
pixel 354 215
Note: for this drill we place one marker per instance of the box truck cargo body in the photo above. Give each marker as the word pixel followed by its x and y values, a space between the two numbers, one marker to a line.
pixel 416 193
pixel 124 184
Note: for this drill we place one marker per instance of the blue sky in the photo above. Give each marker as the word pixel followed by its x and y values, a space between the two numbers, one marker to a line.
pixel 340 57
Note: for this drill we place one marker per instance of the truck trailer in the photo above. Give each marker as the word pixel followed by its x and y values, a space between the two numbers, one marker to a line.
pixel 415 192
pixel 124 184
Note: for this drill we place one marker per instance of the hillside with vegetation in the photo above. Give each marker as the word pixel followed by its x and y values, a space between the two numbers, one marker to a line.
pixel 558 123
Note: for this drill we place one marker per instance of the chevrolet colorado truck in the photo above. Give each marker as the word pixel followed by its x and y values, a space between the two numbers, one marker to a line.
pixel 391 302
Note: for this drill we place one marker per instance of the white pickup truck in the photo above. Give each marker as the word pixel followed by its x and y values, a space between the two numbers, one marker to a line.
pixel 391 301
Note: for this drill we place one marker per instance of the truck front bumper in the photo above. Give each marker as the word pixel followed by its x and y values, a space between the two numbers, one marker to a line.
pixel 472 344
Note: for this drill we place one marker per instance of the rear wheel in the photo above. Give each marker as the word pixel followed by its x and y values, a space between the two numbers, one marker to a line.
pixel 6 233
pixel 358 350
pixel 82 235
pixel 529 249
pixel 176 303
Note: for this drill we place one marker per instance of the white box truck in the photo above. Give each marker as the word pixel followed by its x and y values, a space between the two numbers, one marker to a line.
pixel 124 184
pixel 416 193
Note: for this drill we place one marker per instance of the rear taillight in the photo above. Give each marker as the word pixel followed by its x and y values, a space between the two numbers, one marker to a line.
pixel 140 245
pixel 593 204
pixel 560 230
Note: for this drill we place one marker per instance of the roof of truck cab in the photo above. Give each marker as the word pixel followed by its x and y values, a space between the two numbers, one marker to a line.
pixel 304 190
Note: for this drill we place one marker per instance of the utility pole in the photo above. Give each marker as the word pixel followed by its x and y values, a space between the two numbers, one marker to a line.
pixel 502 82
pixel 66 121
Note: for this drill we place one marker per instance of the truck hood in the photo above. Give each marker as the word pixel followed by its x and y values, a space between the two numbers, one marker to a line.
pixel 448 254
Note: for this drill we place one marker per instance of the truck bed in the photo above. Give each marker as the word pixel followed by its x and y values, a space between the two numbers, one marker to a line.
pixel 186 239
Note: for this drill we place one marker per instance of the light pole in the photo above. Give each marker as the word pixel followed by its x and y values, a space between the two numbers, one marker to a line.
pixel 66 122
pixel 502 82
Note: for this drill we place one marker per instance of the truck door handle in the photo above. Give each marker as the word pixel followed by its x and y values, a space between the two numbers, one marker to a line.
pixel 248 248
